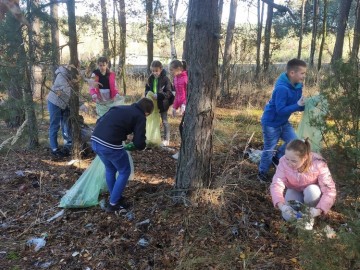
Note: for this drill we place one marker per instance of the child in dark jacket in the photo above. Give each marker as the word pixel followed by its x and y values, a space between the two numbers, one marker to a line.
pixel 107 142
pixel 160 85
pixel 286 99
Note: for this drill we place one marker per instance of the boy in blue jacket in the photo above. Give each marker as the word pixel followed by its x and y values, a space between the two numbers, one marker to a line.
pixel 107 142
pixel 286 99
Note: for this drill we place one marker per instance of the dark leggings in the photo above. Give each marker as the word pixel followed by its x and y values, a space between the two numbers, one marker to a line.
pixel 165 122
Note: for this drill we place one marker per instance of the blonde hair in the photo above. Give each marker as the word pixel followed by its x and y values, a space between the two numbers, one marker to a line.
pixel 303 148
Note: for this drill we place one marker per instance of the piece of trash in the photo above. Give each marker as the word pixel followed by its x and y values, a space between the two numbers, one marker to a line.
pixel 75 253
pixel 89 225
pixel 71 162
pixel 130 216
pixel 37 242
pixel 19 173
pixel 35 184
pixel 102 204
pixel 254 155
pixel 2 254
pixel 330 233
pixel 43 264
pixel 143 242
pixel 144 222
pixel 234 231
pixel 58 214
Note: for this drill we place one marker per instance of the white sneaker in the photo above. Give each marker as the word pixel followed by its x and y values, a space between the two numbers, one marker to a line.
pixel 175 156
pixel 165 143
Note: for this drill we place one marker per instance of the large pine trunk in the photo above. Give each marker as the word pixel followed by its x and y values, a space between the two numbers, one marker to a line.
pixel 202 39
pixel 149 32
pixel 105 30
pixel 356 41
pixel 122 54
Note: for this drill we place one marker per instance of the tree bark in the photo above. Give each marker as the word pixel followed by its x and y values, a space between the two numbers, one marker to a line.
pixel 75 93
pixel 301 28
pixel 149 32
pixel 105 30
pixel 221 5
pixel 266 59
pixel 344 7
pixel 122 51
pixel 260 14
pixel 356 41
pixel 55 44
pixel 314 31
pixel 172 6
pixel 225 70
pixel 114 43
pixel 324 33
pixel 202 39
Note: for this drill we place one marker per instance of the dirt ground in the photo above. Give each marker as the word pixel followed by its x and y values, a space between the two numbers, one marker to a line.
pixel 232 225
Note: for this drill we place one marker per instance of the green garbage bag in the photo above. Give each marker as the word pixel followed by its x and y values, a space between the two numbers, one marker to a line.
pixel 153 124
pixel 312 120
pixel 103 107
pixel 86 190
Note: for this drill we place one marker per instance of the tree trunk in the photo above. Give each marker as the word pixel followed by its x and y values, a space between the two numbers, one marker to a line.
pixel 314 31
pixel 221 5
pixel 267 34
pixel 105 30
pixel 260 14
pixel 344 7
pixel 75 93
pixel 122 52
pixel 356 41
pixel 172 22
pixel 301 28
pixel 55 50
pixel 225 70
pixel 149 32
pixel 324 33
pixel 114 43
pixel 202 39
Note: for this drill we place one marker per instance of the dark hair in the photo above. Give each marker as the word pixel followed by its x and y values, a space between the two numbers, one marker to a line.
pixel 102 59
pixel 178 64
pixel 146 104
pixel 303 148
pixel 294 64
pixel 156 64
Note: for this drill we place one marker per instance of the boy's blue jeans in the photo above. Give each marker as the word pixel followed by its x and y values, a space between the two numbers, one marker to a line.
pixel 115 160
pixel 59 117
pixel 271 137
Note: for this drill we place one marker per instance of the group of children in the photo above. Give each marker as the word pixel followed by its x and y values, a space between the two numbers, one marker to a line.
pixel 301 174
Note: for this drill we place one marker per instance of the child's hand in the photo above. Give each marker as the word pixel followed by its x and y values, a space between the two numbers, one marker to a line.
pixel 301 101
pixel 130 147
pixel 314 212
pixel 287 212
pixel 94 98
pixel 174 112
pixel 154 96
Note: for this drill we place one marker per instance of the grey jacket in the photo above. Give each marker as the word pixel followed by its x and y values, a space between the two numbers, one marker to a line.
pixel 60 92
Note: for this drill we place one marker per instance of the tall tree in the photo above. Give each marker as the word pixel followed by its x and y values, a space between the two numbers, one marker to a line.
pixel 260 14
pixel 221 5
pixel 55 50
pixel 267 35
pixel 149 32
pixel 105 29
pixel 344 9
pixel 172 6
pixel 202 39
pixel 301 28
pixel 356 41
pixel 75 93
pixel 324 33
pixel 122 54
pixel 225 69
pixel 314 31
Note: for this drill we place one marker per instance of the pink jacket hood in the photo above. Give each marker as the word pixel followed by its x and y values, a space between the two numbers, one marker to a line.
pixel 318 173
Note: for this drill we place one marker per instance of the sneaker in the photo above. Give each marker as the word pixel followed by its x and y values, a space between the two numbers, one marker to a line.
pixel 263 177
pixel 165 143
pixel 58 153
pixel 175 156
pixel 117 209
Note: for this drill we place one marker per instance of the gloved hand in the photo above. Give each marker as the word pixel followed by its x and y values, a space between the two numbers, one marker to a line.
pixel 287 212
pixel 301 101
pixel 117 96
pixel 94 97
pixel 130 147
pixel 314 212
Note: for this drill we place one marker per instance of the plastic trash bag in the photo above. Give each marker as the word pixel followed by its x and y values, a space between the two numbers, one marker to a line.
pixel 38 243
pixel 153 124
pixel 311 121
pixel 86 190
pixel 103 107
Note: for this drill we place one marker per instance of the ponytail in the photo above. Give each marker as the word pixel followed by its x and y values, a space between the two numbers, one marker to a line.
pixel 175 64
pixel 303 148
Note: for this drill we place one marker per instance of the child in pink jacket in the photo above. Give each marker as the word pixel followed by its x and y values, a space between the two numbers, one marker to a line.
pixel 178 70
pixel 306 178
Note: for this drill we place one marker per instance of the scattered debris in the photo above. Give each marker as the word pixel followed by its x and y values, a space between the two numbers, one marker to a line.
pixel 37 242
pixel 58 214
pixel 143 242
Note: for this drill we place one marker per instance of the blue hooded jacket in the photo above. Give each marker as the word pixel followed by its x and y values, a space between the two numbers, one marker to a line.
pixel 283 102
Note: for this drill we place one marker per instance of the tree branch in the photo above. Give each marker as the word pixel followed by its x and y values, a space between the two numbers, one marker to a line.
pixel 280 8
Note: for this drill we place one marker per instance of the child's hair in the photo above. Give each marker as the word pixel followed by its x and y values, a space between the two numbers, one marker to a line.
pixel 175 64
pixel 294 64
pixel 146 105
pixel 102 59
pixel 303 148
pixel 156 64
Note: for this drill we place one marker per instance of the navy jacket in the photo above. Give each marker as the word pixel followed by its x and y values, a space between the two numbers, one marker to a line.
pixel 283 102
pixel 114 126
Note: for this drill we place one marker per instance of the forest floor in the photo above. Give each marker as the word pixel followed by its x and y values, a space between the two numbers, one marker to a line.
pixel 231 225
